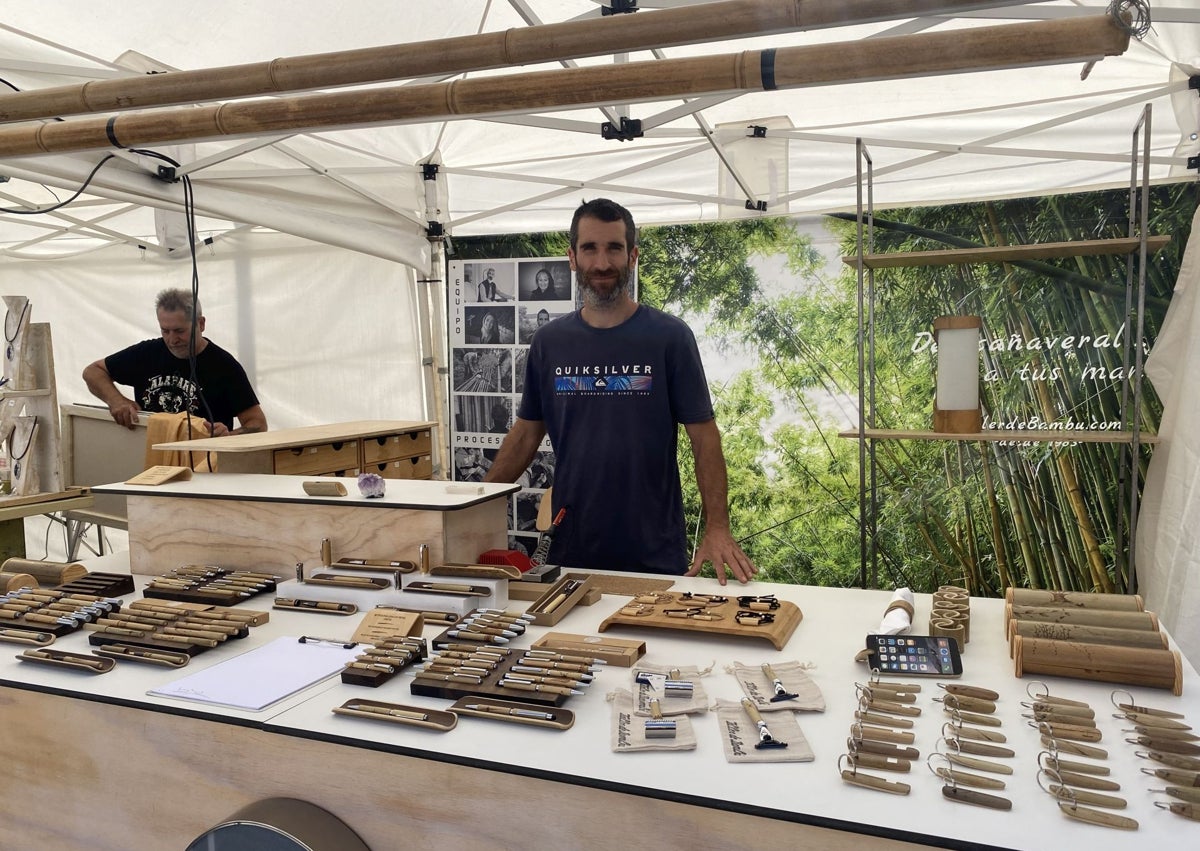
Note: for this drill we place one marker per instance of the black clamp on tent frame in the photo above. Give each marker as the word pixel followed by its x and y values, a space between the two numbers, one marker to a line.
pixel 629 128
pixel 429 171
pixel 760 206
pixel 619 7
pixel 756 131
pixel 434 231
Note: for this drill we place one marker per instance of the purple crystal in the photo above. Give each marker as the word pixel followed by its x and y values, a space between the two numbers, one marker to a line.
pixel 370 485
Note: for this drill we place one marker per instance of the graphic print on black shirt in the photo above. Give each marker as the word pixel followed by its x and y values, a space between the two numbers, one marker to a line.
pixel 170 394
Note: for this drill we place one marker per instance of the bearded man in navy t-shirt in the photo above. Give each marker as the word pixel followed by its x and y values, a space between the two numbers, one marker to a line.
pixel 610 383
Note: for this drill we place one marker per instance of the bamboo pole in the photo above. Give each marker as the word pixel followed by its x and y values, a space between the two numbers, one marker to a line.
pixel 1008 46
pixel 517 46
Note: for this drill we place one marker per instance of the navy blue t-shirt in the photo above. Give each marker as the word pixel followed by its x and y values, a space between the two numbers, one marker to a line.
pixel 162 382
pixel 611 400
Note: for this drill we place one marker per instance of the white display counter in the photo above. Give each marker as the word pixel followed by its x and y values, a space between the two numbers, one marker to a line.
pixel 102 763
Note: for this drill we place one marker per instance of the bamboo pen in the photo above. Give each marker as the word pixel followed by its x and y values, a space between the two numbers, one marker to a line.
pixel 122 650
pixel 395 713
pixel 51 656
pixel 514 711
pixel 538 687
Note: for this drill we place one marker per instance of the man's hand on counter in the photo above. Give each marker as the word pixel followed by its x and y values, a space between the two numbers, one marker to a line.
pixel 719 547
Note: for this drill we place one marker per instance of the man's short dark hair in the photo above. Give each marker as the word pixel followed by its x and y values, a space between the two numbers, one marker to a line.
pixel 171 300
pixel 606 211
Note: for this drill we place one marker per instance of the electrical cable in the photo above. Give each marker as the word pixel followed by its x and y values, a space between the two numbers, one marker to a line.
pixel 37 211
pixel 189 215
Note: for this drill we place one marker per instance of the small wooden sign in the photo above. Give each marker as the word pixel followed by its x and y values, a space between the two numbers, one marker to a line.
pixel 160 474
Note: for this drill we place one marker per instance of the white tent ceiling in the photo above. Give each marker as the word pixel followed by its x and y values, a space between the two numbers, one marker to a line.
pixel 943 138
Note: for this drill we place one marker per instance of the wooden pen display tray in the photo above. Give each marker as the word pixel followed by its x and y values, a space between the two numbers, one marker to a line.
pixel 374 678
pixel 367 564
pixel 75 661
pixel 100 585
pixel 786 618
pixel 40 638
pixel 133 653
pixel 215 586
pixel 43 615
pixel 553 717
pixel 398 713
pixel 461 589
pixel 177 627
pixel 355 583
pixel 490 687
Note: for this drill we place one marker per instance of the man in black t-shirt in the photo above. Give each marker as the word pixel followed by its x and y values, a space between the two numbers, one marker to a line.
pixel 160 373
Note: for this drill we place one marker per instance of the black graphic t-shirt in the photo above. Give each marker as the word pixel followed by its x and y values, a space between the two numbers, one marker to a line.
pixel 612 400
pixel 161 382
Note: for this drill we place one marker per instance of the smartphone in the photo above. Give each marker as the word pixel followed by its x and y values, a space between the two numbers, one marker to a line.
pixel 915 655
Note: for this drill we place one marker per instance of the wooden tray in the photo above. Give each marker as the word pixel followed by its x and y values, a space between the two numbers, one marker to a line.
pixel 459 589
pixel 100 585
pixel 131 653
pixel 490 687
pixel 75 661
pixel 552 717
pixel 357 583
pixel 199 594
pixel 787 618
pixel 414 716
pixel 27 636
pixel 320 607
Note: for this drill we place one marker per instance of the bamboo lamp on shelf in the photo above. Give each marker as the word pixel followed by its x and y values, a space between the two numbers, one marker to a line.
pixel 956 400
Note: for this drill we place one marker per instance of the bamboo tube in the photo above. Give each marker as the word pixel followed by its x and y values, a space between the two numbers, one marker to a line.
pixel 516 46
pixel 1087 634
pixel 899 57
pixel 1132 666
pixel 1083 617
pixel 10 581
pixel 955 616
pixel 1075 600
pixel 48 573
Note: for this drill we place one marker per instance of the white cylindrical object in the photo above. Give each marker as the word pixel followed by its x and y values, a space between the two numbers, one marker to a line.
pixel 958 369
pixel 956 399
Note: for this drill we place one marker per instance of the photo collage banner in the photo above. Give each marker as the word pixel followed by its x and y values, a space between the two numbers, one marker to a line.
pixel 496 306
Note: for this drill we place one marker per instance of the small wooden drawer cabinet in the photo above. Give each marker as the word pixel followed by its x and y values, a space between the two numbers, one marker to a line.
pixel 320 459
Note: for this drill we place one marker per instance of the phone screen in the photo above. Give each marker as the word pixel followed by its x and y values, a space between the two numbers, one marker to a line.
pixel 915 655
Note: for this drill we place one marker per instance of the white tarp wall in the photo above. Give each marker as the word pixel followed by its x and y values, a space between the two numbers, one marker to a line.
pixel 1168 533
pixel 325 334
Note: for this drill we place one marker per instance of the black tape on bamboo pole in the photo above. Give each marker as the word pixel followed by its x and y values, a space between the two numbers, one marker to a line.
pixel 524 46
pixel 983 48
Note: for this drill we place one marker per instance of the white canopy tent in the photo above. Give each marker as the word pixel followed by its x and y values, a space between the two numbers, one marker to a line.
pixel 985 134
pixel 316 268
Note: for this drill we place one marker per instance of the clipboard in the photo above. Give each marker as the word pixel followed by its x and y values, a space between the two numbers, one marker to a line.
pixel 265 675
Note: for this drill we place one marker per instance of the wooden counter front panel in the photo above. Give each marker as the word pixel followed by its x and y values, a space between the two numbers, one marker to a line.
pixel 273 536
pixel 82 774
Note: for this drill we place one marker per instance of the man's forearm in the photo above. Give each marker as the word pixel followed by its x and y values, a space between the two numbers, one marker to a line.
pixel 102 387
pixel 712 479
pixel 517 451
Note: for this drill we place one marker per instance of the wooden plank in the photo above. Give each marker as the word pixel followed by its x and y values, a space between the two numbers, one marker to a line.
pixel 303 436
pixel 1041 435
pixel 1006 253
pixel 13 507
pixel 138 780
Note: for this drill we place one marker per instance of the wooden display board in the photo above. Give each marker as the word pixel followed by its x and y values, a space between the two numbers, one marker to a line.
pixel 787 618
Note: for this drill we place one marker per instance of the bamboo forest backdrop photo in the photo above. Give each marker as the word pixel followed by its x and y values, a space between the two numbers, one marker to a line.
pixel 781 350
